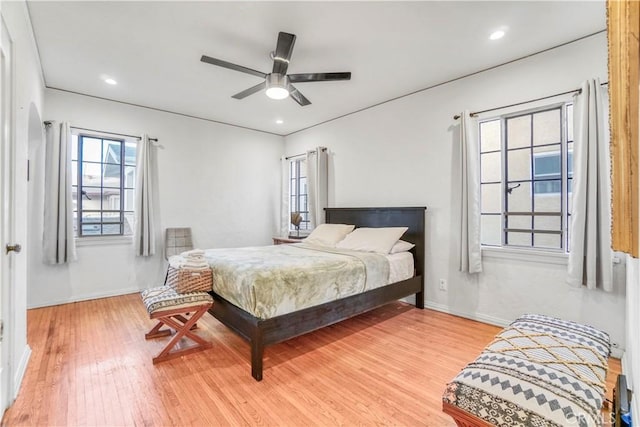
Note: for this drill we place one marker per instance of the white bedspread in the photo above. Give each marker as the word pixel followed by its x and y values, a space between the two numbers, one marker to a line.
pixel 269 281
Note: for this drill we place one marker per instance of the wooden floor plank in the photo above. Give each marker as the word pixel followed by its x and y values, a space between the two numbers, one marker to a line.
pixel 92 366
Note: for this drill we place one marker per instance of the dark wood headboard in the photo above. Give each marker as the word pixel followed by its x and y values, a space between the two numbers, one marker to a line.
pixel 412 217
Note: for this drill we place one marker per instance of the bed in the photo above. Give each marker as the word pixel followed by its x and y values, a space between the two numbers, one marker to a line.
pixel 261 332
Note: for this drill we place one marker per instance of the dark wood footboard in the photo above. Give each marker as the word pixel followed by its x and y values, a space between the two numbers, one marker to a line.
pixel 263 332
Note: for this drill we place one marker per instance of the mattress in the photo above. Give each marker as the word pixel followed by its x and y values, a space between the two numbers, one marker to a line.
pixel 540 371
pixel 269 281
pixel 400 267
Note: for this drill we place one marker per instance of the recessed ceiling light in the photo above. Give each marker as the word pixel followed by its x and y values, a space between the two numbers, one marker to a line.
pixel 110 81
pixel 279 121
pixel 496 35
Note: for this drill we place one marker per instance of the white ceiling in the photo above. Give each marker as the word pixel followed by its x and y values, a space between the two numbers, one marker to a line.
pixel 392 48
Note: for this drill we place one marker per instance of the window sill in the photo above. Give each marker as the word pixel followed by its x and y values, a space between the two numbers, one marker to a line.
pixel 527 255
pixel 104 240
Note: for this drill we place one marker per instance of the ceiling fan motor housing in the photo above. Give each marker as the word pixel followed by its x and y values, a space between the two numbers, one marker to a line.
pixel 277 86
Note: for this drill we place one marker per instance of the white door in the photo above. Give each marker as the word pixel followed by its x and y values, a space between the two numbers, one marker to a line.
pixel 8 248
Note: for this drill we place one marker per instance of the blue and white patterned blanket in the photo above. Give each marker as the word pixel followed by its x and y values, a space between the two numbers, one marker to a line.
pixel 540 371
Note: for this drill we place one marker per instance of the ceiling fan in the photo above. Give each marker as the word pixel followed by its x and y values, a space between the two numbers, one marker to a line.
pixel 278 83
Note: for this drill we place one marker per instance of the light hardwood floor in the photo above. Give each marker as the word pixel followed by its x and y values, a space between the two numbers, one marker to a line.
pixel 92 366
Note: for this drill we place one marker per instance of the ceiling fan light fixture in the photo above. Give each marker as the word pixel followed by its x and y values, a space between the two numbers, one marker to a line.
pixel 277 86
pixel 277 92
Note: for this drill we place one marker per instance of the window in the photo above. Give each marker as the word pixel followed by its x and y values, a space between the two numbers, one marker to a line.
pixel 526 172
pixel 299 194
pixel 104 176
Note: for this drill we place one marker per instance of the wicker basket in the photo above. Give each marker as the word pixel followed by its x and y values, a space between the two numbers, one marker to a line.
pixel 184 280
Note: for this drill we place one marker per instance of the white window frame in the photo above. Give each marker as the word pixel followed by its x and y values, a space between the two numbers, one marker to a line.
pixel 101 239
pixel 296 203
pixel 531 253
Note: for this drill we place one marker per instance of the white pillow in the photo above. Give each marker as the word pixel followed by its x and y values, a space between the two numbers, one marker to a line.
pixel 401 246
pixel 328 234
pixel 379 240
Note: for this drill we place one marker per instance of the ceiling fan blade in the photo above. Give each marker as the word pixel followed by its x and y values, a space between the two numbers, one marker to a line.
pixel 283 52
pixel 250 91
pixel 229 65
pixel 318 77
pixel 297 96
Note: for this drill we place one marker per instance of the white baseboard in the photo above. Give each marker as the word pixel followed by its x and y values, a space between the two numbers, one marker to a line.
pixel 615 352
pixel 21 369
pixel 86 297
pixel 473 316
pixel 618 353
pixel 626 370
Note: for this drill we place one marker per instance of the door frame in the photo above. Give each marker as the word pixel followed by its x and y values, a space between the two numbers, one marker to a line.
pixel 8 214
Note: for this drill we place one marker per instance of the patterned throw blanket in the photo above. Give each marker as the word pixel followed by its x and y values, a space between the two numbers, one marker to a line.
pixel 540 371
pixel 269 281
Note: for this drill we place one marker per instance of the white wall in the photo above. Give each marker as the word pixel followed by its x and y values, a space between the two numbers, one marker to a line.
pixel 631 359
pixel 29 100
pixel 405 153
pixel 222 181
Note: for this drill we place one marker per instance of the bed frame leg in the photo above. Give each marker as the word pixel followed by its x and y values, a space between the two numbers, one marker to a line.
pixel 420 300
pixel 257 352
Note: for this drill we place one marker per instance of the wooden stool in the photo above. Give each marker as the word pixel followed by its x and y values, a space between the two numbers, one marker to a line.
pixel 178 311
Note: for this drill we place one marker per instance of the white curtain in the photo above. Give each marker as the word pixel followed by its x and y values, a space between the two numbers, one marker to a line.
pixel 470 253
pixel 318 184
pixel 145 236
pixel 285 215
pixel 58 240
pixel 590 256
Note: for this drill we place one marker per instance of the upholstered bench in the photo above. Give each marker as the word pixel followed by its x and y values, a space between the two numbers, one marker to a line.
pixel 178 311
pixel 539 371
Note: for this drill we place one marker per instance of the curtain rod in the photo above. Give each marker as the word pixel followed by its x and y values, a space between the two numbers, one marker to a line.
pixel 296 155
pixel 104 131
pixel 303 154
pixel 579 90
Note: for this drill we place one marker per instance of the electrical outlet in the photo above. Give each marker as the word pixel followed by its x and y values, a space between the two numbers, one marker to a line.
pixel 443 285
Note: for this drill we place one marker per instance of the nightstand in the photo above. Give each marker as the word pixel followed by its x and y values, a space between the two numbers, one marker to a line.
pixel 285 240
